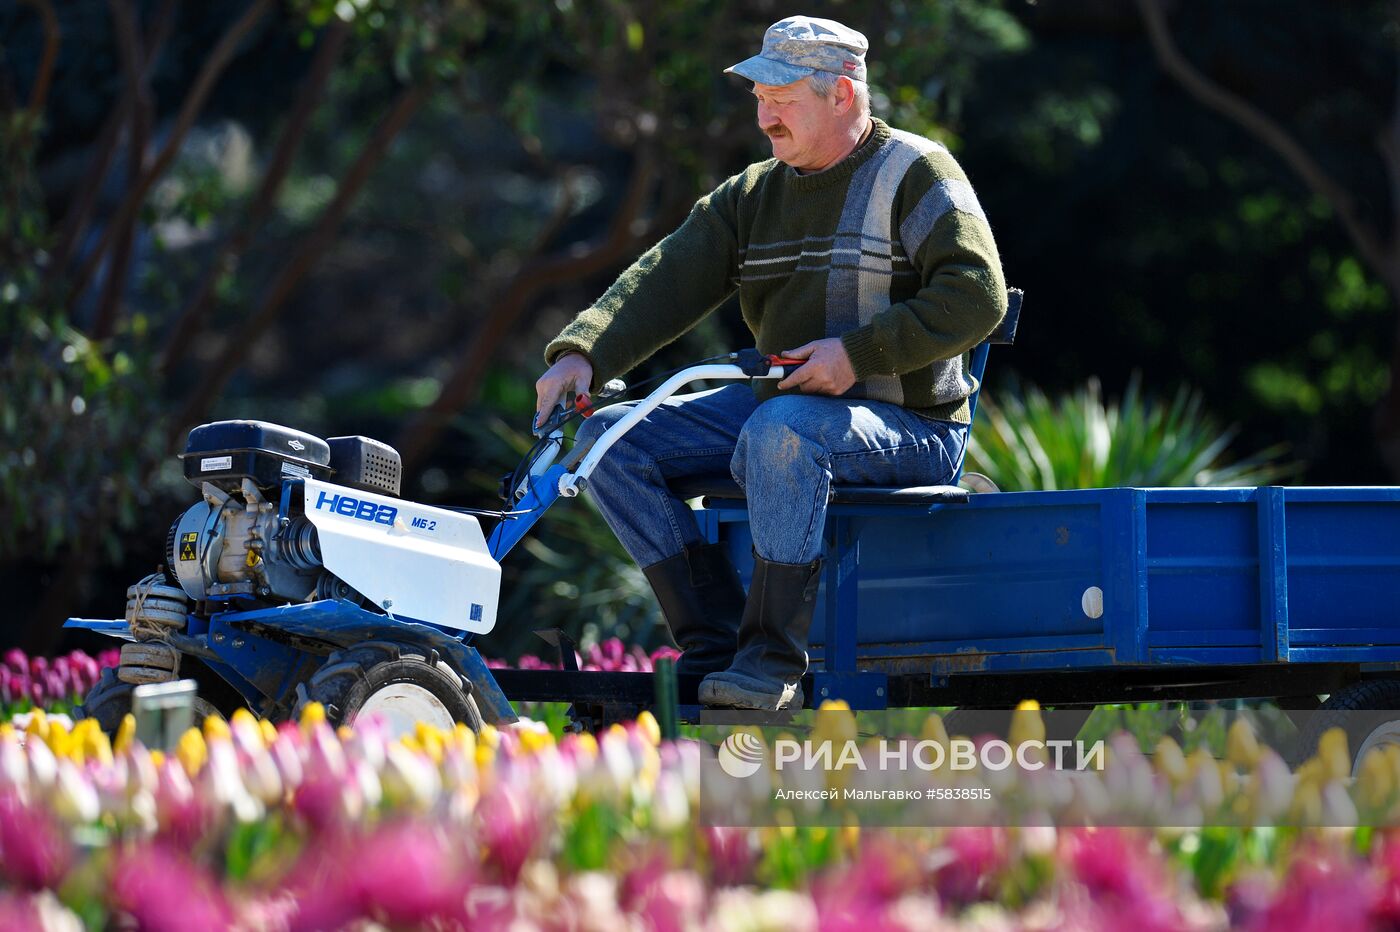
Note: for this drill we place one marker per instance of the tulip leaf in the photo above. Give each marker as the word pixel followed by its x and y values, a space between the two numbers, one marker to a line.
pixel 249 844
pixel 589 840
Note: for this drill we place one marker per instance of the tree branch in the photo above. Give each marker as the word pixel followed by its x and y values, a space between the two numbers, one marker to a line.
pixel 534 277
pixel 142 112
pixel 83 201
pixel 290 276
pixel 194 102
pixel 192 318
pixel 1263 128
pixel 43 78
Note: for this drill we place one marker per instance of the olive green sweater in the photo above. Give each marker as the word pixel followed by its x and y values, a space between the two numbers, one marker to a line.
pixel 888 250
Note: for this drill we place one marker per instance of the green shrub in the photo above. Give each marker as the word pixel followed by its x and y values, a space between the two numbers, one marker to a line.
pixel 1027 441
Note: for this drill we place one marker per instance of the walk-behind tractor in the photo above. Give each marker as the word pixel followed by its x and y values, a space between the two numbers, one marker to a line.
pixel 301 576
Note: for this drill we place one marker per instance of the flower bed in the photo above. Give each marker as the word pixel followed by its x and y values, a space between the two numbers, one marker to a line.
pixel 300 826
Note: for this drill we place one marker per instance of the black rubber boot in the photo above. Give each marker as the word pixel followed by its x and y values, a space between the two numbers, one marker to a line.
pixel 703 600
pixel 767 671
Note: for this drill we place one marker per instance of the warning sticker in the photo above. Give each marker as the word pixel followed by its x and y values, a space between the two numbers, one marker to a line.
pixel 187 542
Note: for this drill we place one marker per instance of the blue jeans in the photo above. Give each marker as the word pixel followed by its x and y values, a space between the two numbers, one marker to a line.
pixel 784 453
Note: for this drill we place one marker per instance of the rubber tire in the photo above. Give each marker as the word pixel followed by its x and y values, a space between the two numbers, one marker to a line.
pixel 349 677
pixel 110 701
pixel 1381 697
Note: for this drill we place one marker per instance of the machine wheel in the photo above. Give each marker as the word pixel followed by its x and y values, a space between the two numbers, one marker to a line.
pixel 1369 712
pixel 110 701
pixel 402 687
pixel 977 482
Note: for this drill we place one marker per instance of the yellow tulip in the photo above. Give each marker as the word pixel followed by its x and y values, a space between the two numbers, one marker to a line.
pixel 933 730
pixel 587 744
pixel 38 726
pixel 269 731
pixel 311 716
pixel 126 733
pixel 191 751
pixel 1027 723
pixel 835 722
pixel 650 727
pixel 216 729
pixel 1375 784
pixel 1332 751
pixel 1306 808
pixel 1169 760
pixel 1241 746
pixel 58 739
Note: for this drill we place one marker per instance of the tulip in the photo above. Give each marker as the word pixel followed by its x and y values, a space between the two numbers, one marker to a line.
pixel 34 854
pixel 163 890
pixel 509 830
pixel 731 854
pixel 967 866
pixel 1124 882
pixel 1320 893
pixel 407 875
pixel 1241 746
pixel 1333 753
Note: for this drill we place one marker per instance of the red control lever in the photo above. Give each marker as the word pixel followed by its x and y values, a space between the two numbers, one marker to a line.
pixel 584 405
pixel 783 361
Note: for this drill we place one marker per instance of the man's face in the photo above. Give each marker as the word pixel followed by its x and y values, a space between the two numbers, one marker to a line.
pixel 800 125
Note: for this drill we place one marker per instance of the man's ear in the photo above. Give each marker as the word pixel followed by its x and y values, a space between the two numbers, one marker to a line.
pixel 845 96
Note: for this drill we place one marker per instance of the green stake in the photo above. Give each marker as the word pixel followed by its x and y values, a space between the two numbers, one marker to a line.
pixel 666 701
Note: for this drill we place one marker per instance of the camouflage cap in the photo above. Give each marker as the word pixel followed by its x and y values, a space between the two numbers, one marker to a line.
pixel 798 46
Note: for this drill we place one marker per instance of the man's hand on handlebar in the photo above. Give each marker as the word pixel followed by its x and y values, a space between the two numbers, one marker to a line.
pixel 827 370
pixel 571 372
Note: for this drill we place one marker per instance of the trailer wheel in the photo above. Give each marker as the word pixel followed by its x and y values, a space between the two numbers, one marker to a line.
pixel 403 688
pixel 1369 713
pixel 110 700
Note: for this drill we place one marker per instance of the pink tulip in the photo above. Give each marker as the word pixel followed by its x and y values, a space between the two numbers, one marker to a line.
pixel 408 874
pixel 34 854
pixel 1386 857
pixel 16 660
pixel 1249 897
pixel 662 898
pixel 1322 893
pixel 17 913
pixel 183 816
pixel 968 867
pixel 731 855
pixel 1125 881
pixel 162 888
pixel 509 829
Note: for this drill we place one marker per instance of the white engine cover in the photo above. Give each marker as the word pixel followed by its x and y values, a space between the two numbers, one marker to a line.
pixel 413 561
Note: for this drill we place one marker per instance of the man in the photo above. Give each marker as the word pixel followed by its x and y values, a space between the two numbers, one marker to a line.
pixel 857 248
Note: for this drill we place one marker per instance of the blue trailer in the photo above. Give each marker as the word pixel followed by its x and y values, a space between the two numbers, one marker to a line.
pixel 930 596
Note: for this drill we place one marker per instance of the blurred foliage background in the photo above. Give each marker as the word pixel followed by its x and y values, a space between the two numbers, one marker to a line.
pixel 368 216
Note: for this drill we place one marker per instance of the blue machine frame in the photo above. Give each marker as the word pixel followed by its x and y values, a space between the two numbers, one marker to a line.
pixel 1099 578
